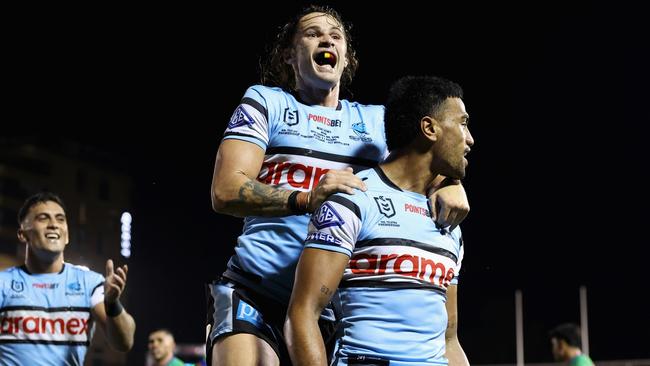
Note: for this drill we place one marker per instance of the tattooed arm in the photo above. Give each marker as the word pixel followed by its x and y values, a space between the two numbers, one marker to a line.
pixel 317 277
pixel 236 191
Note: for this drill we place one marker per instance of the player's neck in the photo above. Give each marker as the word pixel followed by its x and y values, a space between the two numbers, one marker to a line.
pixel 409 170
pixel 35 265
pixel 322 97
pixel 573 353
pixel 165 361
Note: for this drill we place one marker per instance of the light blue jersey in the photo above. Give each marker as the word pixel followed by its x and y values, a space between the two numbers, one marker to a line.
pixel 301 144
pixel 393 290
pixel 45 318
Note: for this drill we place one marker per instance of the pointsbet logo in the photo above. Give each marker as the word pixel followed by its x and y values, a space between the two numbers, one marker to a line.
pixel 324 120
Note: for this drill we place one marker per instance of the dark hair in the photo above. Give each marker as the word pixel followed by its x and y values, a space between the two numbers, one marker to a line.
pixel 40 197
pixel 275 72
pixel 163 330
pixel 568 332
pixel 411 98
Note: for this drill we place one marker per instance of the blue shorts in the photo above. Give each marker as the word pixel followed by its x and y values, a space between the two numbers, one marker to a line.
pixel 234 309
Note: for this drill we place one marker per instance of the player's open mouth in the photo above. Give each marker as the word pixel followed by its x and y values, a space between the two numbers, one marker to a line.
pixel 325 58
pixel 52 236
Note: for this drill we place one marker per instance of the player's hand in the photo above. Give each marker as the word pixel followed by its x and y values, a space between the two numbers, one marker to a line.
pixel 115 282
pixel 332 182
pixel 449 204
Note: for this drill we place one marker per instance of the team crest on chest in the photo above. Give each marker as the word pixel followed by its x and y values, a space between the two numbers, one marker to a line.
pixel 290 117
pixel 360 132
pixel 17 286
pixel 385 206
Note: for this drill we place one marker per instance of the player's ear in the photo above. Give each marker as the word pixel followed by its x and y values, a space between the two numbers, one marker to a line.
pixel 289 56
pixel 21 235
pixel 430 128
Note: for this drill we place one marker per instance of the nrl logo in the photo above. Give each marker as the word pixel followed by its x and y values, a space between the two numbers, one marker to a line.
pixel 290 117
pixel 385 206
pixel 17 286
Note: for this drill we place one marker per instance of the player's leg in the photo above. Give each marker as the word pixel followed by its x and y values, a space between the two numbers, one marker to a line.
pixel 238 334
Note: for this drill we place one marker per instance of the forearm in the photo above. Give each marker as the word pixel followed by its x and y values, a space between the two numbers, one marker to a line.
pixel 304 340
pixel 455 353
pixel 120 330
pixel 235 189
pixel 317 276
pixel 441 181
pixel 253 198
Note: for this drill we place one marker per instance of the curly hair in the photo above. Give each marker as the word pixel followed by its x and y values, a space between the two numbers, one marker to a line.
pixel 411 98
pixel 275 72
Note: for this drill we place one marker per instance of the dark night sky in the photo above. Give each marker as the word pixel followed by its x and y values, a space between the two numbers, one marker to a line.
pixel 557 179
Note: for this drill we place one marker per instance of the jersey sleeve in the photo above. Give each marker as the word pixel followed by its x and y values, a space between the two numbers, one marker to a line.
pixel 382 128
pixel 335 225
pixel 250 120
pixel 95 282
pixel 458 239
pixel 2 290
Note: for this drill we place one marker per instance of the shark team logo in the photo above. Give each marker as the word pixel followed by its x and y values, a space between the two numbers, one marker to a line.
pixel 385 206
pixel 240 118
pixel 74 289
pixel 360 132
pixel 326 216
pixel 359 129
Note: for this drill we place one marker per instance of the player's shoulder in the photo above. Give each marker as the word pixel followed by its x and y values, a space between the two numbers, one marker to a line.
pixel 77 267
pixel 370 113
pixel 8 273
pixel 374 179
pixel 457 235
pixel 83 271
pixel 358 201
pixel 266 98
pixel 365 174
pixel 378 108
pixel 264 91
